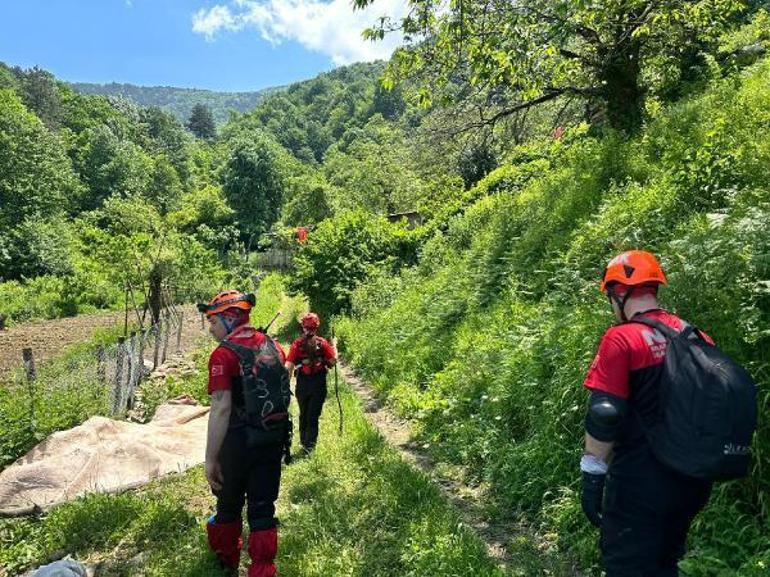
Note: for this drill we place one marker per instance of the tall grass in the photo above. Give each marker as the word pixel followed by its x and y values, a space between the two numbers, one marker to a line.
pixel 485 343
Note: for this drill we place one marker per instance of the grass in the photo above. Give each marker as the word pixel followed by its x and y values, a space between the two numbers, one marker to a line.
pixel 352 509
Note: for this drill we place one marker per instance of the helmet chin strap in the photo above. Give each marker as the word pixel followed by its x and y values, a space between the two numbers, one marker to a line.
pixel 621 301
pixel 229 322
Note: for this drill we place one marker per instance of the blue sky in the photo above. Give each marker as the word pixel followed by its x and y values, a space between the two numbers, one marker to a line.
pixel 217 44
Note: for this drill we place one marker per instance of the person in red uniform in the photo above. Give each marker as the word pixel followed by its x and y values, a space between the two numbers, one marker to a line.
pixel 311 356
pixel 237 468
pixel 646 509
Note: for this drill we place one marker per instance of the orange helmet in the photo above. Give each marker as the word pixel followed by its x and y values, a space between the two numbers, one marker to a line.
pixel 633 268
pixel 310 321
pixel 231 299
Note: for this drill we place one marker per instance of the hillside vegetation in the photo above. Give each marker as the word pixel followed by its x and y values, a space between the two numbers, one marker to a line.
pixel 484 343
pixel 179 101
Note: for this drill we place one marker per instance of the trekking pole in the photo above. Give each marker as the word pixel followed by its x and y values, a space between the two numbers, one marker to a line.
pixel 337 388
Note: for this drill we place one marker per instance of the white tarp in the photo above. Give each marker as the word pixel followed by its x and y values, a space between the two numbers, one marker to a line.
pixel 103 455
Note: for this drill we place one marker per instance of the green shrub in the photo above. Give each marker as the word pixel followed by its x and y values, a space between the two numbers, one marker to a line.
pixel 341 252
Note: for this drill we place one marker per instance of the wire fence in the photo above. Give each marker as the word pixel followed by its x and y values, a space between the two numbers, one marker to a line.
pixel 87 380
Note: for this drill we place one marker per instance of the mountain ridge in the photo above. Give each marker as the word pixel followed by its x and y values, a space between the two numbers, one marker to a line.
pixel 178 100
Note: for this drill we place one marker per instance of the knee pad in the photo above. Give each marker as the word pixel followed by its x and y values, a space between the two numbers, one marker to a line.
pixel 263 522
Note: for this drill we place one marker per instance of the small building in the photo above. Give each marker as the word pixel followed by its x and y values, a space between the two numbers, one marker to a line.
pixel 412 217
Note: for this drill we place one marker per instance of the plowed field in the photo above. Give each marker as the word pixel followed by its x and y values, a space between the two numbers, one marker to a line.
pixel 48 338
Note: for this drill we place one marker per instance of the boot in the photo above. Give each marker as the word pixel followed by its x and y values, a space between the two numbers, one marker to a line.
pixel 226 542
pixel 263 547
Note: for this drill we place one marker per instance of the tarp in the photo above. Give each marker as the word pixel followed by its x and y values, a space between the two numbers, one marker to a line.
pixel 103 455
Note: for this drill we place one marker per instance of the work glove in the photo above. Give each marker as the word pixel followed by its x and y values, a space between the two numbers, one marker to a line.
pixel 593 494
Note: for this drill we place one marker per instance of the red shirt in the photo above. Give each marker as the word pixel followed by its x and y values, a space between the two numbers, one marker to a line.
pixel 224 364
pixel 297 355
pixel 630 350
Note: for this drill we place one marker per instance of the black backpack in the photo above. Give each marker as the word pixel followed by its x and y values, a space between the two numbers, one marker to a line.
pixel 266 392
pixel 707 408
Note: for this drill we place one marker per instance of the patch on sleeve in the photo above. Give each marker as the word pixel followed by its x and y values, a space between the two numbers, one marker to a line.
pixel 217 370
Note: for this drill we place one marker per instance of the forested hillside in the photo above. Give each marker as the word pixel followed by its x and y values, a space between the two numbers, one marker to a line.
pixel 98 195
pixel 179 101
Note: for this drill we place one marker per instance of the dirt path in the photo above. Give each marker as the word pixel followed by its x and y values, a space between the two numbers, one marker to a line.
pixel 467 500
pixel 48 338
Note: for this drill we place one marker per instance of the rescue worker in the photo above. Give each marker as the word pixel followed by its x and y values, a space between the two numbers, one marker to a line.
pixel 238 469
pixel 646 509
pixel 310 357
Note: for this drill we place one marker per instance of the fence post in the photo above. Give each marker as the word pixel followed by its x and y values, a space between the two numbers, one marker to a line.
pixel 142 342
pixel 29 364
pixel 166 334
pixel 119 375
pixel 101 367
pixel 132 370
pixel 156 329
pixel 179 333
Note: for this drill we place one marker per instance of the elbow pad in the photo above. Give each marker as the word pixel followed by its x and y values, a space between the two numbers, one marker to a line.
pixel 605 416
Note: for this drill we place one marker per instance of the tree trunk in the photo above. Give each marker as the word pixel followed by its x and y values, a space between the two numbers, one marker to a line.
pixel 620 90
pixel 156 297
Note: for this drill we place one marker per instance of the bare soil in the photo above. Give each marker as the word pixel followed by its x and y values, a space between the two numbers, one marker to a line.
pixel 49 338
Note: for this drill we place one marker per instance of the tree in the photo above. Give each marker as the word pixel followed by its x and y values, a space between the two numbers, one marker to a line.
pixel 36 247
pixel 41 95
pixel 169 138
pixel 164 188
pixel 112 167
pixel 341 252
pixel 307 201
pixel 253 183
pixel 501 57
pixel 376 171
pixel 201 122
pixel 36 176
pixel 475 162
pixel 8 78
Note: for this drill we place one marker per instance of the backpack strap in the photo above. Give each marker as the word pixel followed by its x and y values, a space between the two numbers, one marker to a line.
pixel 688 331
pixel 245 355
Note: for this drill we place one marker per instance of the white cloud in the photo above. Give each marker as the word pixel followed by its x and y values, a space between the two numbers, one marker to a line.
pixel 329 27
pixel 209 22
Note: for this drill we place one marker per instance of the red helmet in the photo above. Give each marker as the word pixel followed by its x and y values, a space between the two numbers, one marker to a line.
pixel 225 300
pixel 633 268
pixel 310 321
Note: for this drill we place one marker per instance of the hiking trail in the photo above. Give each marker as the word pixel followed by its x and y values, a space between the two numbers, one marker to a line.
pixel 468 501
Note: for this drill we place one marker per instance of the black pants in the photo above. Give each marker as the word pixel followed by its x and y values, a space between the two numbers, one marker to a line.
pixel 648 509
pixel 252 476
pixel 311 394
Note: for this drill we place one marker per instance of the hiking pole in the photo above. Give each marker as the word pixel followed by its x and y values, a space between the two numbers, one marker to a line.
pixel 337 386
